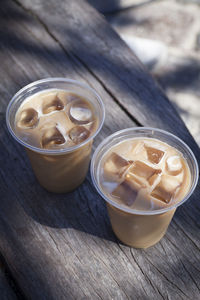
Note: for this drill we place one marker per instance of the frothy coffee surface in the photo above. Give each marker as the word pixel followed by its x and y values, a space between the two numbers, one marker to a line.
pixel 144 174
pixel 55 119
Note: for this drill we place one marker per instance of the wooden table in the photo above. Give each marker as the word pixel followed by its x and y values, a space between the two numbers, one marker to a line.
pixel 62 246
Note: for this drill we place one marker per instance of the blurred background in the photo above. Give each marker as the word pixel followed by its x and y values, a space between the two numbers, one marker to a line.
pixel 165 36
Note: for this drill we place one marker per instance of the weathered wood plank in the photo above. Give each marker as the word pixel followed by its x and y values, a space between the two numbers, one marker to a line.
pixel 22 63
pixel 82 31
pixel 62 246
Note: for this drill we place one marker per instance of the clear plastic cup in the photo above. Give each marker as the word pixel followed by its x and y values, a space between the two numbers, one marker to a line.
pixel 58 170
pixel 136 228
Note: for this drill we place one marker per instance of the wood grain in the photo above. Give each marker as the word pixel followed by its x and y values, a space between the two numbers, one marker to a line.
pixel 62 246
pixel 6 291
pixel 84 33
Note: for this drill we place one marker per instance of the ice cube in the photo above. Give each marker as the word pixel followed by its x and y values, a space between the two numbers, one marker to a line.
pixel 137 147
pixel 80 112
pixel 53 105
pixel 28 118
pixel 155 179
pixel 125 193
pixel 174 165
pixel 51 138
pixel 135 182
pixel 109 186
pixel 114 167
pixel 157 204
pixel 134 151
pixel 154 154
pixel 166 188
pixel 78 134
pixel 142 201
pixel 144 170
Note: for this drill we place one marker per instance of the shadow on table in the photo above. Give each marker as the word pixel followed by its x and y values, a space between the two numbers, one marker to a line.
pixel 83 209
pixel 116 6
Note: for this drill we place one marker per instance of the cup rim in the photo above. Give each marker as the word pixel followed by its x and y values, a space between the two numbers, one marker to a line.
pixel 54 151
pixel 127 209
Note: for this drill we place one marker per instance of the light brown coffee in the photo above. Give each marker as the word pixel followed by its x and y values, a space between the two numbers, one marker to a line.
pixel 57 120
pixel 144 175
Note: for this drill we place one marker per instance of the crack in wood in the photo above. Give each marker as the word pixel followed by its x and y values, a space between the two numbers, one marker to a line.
pixel 178 257
pixel 82 263
pixel 177 224
pixel 131 264
pixel 179 250
pixel 68 244
pixel 79 62
pixel 123 108
pixel 192 218
pixel 69 55
pixel 51 236
pixel 189 274
pixel 76 58
pixel 172 283
pixel 107 269
pixel 146 276
pixel 17 62
pixel 161 244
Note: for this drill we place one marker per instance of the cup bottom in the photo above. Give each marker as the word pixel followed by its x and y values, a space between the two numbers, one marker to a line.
pixel 61 173
pixel 138 246
pixel 139 231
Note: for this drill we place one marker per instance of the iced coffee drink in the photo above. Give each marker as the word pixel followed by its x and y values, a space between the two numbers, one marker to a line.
pixel 145 179
pixel 144 174
pixel 57 127
pixel 55 119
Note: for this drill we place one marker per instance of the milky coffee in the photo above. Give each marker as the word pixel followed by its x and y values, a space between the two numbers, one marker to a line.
pixel 57 120
pixel 145 175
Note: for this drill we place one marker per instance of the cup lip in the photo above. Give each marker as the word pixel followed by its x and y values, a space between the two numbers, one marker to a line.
pixel 54 151
pixel 127 209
